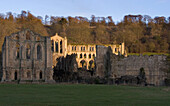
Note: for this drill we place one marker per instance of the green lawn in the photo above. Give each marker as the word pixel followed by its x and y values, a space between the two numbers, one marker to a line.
pixel 60 94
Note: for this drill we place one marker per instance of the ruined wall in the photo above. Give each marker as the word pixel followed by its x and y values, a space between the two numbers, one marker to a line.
pixel 101 52
pixel 120 66
pixel 27 56
pixel 152 65
pixel 66 68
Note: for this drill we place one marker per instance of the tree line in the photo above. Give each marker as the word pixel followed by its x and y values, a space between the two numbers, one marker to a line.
pixel 141 33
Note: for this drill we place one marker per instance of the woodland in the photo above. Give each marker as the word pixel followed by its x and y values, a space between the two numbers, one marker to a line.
pixel 141 33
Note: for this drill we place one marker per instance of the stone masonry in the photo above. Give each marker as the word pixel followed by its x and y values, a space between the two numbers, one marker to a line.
pixel 27 57
pixel 85 54
pixel 112 66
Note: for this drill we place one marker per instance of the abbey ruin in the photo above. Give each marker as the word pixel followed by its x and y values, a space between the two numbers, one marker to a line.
pixel 128 69
pixel 27 56
pixel 85 54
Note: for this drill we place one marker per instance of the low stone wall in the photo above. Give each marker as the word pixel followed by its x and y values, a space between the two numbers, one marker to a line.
pixel 152 65
pixel 112 66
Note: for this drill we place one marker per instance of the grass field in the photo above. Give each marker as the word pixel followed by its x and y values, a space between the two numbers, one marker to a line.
pixel 60 94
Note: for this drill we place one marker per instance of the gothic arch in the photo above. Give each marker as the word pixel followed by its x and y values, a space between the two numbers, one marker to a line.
pixel 28 74
pixel 28 51
pixel 90 56
pixel 83 64
pixel 93 56
pixel 75 48
pixel 17 51
pixel 56 46
pixel 85 55
pixel 61 45
pixel 40 75
pixel 28 35
pixel 81 56
pixel 39 52
pixel 17 37
pixel 15 75
pixel 91 64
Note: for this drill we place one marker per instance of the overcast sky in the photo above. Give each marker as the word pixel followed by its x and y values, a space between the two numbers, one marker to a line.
pixel 115 8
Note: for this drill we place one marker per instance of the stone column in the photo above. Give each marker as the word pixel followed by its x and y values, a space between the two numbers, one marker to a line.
pixel 65 46
pixel 78 55
pixel 87 65
pixel 87 55
pixel 54 46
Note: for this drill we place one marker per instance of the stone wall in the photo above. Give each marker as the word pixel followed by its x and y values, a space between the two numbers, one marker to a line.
pixel 114 66
pixel 66 69
pixel 27 57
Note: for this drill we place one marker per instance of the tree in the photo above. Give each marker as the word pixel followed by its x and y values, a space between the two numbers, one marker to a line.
pixel 46 19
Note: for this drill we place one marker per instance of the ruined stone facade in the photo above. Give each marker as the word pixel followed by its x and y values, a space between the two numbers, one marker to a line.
pixel 58 47
pixel 27 57
pixel 85 53
pixel 112 66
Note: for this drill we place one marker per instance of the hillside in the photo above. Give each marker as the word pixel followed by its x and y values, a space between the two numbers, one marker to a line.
pixel 140 33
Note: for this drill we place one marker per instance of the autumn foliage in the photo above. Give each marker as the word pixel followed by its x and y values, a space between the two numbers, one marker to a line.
pixel 141 33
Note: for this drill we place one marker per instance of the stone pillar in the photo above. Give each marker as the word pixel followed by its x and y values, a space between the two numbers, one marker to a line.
pixel 65 46
pixel 87 65
pixel 78 55
pixel 54 46
pixel 123 48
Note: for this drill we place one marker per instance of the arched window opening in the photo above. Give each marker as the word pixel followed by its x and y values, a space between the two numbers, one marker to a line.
pixel 75 48
pixel 28 51
pixel 81 56
pixel 56 47
pixel 61 50
pixel 84 55
pixel 52 46
pixel 81 48
pixel 28 36
pixel 17 51
pixel 28 74
pixel 84 48
pixel 83 63
pixel 15 76
pixel 72 48
pixel 90 56
pixel 90 48
pixel 17 37
pixel 93 56
pixel 40 74
pixel 39 52
pixel 21 52
pixel 91 64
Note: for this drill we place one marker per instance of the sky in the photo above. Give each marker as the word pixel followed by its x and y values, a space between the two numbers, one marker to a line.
pixel 100 8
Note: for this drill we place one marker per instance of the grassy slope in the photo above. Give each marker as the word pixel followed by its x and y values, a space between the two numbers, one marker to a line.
pixel 82 95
